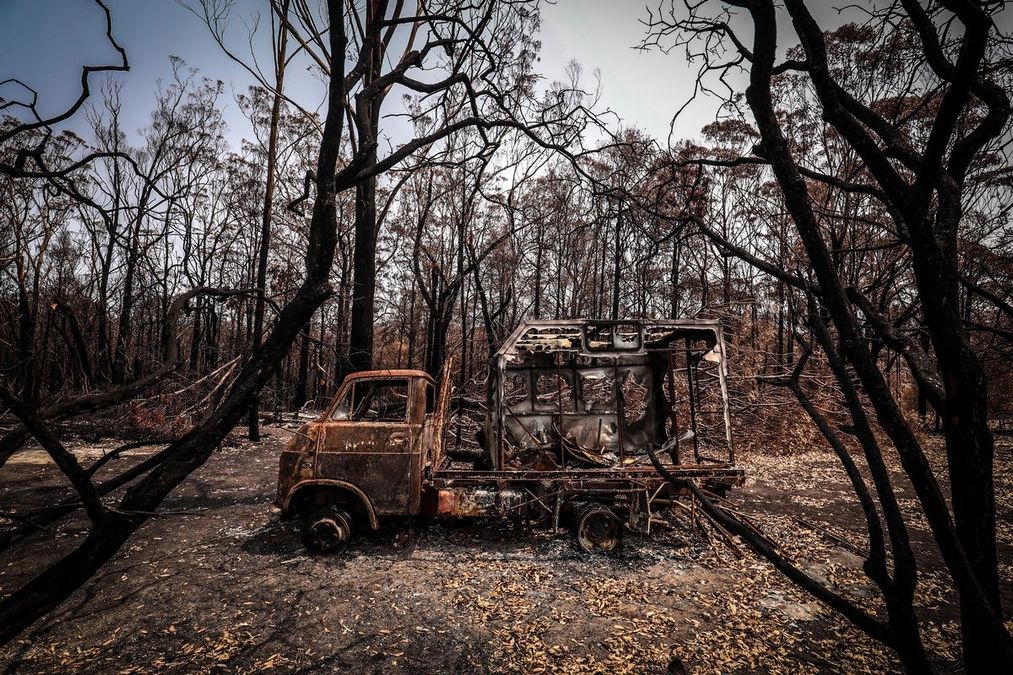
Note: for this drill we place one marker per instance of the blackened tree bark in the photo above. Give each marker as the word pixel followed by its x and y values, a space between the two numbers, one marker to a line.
pixel 77 339
pixel 360 338
pixel 300 396
pixel 280 51
pixel 367 116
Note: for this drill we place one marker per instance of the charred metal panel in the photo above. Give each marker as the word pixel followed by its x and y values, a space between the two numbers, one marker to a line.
pixel 579 393
pixel 297 461
pixel 385 476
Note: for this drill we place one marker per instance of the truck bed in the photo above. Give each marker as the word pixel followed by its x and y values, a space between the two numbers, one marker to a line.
pixel 729 474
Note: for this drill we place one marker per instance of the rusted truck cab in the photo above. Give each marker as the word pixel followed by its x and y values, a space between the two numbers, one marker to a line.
pixel 362 459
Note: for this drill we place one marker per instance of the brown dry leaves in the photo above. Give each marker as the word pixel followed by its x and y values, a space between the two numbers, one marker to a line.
pixel 489 599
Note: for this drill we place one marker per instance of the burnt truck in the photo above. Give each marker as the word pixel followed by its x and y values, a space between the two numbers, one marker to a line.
pixel 571 409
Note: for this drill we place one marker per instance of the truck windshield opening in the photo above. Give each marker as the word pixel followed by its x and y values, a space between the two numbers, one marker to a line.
pixel 374 401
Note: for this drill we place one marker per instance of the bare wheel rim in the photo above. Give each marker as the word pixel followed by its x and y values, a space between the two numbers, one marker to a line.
pixel 329 532
pixel 599 530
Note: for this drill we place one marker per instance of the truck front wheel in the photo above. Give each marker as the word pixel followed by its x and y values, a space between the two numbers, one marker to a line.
pixel 598 529
pixel 327 530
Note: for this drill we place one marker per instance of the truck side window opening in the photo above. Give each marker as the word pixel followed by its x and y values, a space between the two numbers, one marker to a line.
pixel 341 409
pixel 374 401
pixel 430 399
pixel 516 391
pixel 598 392
pixel 553 391
pixel 380 401
pixel 635 397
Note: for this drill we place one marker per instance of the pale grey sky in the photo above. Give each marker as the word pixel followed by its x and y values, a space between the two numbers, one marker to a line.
pixel 645 88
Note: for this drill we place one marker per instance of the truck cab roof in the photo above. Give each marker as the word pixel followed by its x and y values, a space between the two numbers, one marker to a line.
pixel 390 372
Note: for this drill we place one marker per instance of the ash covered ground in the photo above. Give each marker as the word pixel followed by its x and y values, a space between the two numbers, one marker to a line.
pixel 219 585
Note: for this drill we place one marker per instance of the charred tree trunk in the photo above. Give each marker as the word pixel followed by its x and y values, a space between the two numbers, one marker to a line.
pixel 123 333
pixel 360 339
pixel 253 418
pixel 300 397
pixel 368 103
pixel 967 542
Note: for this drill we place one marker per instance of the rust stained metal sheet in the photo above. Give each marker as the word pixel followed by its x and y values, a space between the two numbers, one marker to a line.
pixel 481 499
pixel 585 393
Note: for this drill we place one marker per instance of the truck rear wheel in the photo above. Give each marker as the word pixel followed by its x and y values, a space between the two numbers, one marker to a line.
pixel 327 530
pixel 598 529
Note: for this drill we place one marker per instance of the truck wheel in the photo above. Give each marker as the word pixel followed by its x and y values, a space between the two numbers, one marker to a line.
pixel 598 529
pixel 327 530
